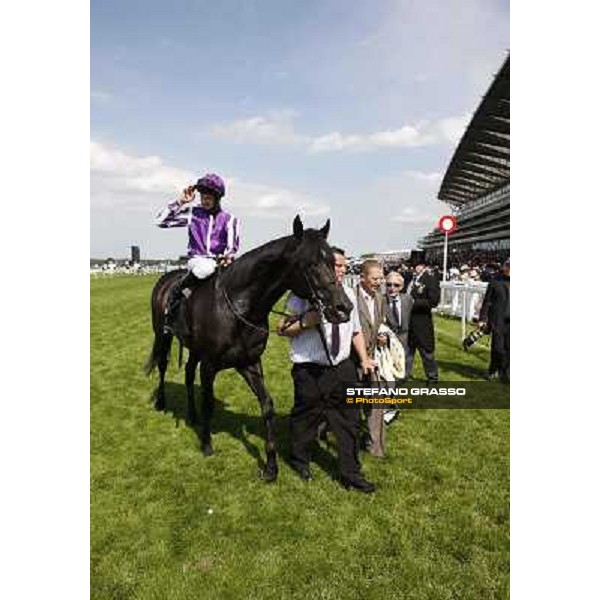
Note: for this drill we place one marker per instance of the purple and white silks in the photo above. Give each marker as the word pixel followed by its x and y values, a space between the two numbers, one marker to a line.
pixel 209 235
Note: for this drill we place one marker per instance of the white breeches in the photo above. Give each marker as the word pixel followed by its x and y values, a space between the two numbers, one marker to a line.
pixel 202 266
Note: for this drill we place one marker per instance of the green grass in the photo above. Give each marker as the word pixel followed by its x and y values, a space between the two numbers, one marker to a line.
pixel 438 528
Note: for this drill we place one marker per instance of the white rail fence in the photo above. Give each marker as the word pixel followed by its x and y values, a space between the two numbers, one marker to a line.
pixel 461 300
pixel 458 299
pixel 139 270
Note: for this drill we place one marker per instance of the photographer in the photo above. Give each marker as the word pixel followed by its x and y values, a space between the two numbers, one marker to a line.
pixel 495 318
pixel 213 235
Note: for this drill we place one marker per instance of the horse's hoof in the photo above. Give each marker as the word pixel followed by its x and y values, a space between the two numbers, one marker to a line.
pixel 269 476
pixel 159 405
pixel 207 450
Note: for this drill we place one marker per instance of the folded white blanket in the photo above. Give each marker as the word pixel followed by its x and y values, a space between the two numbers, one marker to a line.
pixel 390 358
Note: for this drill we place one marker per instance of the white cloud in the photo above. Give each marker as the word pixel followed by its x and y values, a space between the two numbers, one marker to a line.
pixel 410 216
pixel 253 199
pixel 278 128
pixel 120 181
pixel 424 133
pixel 452 128
pixel 275 128
pixel 333 142
pixel 432 178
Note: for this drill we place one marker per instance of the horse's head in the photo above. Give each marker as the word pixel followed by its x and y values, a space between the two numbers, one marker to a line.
pixel 311 275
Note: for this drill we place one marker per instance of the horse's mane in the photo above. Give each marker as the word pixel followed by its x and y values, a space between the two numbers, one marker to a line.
pixel 270 249
pixel 264 254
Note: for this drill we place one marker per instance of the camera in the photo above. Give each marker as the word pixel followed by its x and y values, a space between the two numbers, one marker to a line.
pixel 472 338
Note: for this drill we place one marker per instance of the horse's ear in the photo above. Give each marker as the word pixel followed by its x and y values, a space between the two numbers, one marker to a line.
pixel 298 228
pixel 325 229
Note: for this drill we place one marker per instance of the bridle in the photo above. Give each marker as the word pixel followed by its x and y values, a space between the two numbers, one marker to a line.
pixel 314 303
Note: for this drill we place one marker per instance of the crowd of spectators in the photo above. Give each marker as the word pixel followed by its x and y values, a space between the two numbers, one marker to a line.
pixel 467 272
pixel 474 258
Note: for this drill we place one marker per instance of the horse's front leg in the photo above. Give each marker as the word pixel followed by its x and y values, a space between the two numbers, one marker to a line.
pixel 207 378
pixel 255 379
pixel 190 375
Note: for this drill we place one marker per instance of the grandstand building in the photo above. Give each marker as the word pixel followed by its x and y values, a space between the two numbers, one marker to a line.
pixel 476 184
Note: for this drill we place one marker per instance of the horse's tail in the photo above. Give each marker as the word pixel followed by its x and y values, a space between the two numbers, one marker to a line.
pixel 160 348
pixel 152 361
pixel 158 300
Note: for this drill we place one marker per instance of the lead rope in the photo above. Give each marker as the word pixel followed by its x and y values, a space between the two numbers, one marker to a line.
pixel 320 326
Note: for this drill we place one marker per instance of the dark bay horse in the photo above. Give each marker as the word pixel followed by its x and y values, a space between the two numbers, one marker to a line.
pixel 224 323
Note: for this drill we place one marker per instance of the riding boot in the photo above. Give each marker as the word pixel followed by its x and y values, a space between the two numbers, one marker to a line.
pixel 175 297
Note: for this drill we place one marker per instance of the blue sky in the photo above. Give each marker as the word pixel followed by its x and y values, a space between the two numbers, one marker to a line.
pixel 346 110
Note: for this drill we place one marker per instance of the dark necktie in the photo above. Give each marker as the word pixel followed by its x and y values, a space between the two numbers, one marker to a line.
pixel 395 309
pixel 335 339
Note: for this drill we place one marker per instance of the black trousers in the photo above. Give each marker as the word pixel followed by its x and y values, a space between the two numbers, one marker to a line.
pixel 318 396
pixel 429 363
pixel 500 353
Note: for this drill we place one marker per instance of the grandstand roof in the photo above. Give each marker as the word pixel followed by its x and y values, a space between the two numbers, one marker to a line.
pixel 481 161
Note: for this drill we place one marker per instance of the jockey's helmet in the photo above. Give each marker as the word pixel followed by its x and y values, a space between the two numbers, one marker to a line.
pixel 211 183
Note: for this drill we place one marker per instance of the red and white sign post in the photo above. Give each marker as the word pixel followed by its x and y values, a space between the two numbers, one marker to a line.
pixel 446 224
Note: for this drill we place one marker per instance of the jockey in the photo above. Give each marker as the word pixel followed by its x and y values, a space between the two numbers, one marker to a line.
pixel 214 235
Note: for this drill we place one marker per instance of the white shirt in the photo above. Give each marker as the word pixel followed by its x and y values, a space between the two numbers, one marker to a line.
pixel 370 302
pixel 307 346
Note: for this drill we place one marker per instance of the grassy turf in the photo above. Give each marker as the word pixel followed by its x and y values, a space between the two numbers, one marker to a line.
pixel 167 523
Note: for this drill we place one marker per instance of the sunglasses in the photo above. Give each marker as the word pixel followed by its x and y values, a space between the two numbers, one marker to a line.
pixel 393 285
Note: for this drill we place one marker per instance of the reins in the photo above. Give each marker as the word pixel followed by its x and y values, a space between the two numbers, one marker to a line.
pixel 315 303
pixel 291 318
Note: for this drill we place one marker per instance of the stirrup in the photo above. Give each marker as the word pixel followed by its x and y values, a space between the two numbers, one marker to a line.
pixel 168 329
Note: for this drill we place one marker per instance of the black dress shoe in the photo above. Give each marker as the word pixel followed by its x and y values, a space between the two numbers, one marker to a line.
pixel 322 431
pixel 304 473
pixel 359 484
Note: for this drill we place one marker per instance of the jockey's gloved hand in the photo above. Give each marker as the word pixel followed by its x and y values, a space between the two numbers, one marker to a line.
pixel 187 195
pixel 223 261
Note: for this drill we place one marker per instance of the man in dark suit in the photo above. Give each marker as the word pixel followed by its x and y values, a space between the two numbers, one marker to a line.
pixel 371 310
pixel 495 317
pixel 425 292
pixel 398 307
pixel 407 275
